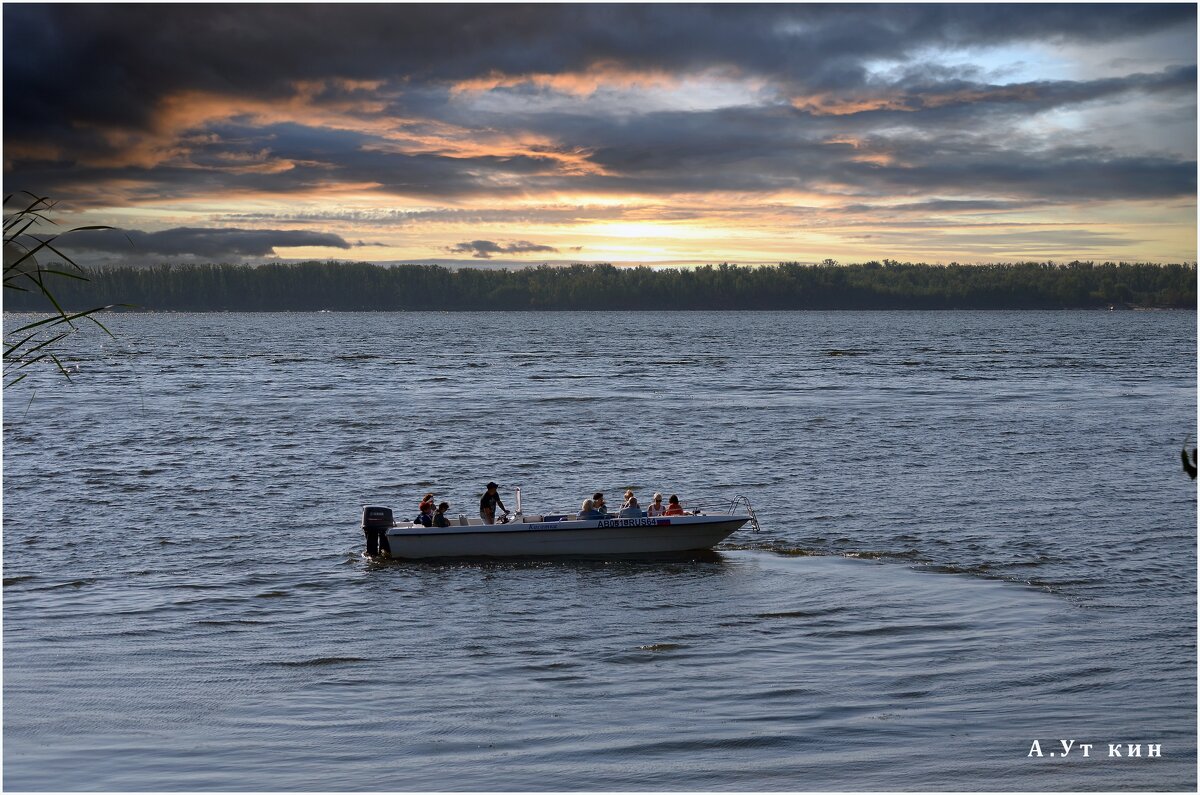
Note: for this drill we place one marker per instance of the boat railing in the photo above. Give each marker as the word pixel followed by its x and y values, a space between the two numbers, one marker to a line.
pixel 725 505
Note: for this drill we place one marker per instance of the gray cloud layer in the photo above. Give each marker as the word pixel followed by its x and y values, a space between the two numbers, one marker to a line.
pixel 86 84
pixel 205 243
pixel 484 249
pixel 101 62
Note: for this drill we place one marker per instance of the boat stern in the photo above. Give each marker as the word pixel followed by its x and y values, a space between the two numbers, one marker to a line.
pixel 376 521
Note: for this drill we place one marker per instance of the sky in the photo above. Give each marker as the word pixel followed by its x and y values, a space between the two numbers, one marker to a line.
pixel 682 134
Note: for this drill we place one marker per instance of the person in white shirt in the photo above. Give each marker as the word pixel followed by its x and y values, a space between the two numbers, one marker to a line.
pixel 656 508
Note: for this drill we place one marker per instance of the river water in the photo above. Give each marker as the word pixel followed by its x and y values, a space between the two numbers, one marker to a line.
pixel 976 534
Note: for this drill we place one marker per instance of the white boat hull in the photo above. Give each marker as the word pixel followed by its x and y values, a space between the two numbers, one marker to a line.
pixel 575 537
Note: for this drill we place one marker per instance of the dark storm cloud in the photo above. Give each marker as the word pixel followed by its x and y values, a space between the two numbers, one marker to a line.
pixel 1078 174
pixel 207 243
pixel 484 249
pixel 127 104
pixel 740 149
pixel 310 159
pixel 774 149
pixel 109 63
pixel 944 97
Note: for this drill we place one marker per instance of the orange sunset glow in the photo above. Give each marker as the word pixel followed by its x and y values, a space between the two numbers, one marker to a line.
pixel 625 134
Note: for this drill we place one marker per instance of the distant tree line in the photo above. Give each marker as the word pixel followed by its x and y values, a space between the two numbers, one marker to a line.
pixel 873 285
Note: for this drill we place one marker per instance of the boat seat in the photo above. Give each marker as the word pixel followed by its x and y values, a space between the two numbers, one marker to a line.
pixel 463 521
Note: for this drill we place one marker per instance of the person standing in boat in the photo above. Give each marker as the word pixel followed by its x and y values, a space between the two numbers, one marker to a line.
pixel 488 503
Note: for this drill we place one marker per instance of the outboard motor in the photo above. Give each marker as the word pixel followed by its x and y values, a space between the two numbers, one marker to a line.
pixel 376 521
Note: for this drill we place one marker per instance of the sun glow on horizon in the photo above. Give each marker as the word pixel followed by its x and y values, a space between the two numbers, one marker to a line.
pixel 770 136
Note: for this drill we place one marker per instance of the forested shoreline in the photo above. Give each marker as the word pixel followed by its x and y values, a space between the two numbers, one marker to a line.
pixel 337 286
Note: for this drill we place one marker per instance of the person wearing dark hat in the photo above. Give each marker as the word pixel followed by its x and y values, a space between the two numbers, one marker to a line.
pixel 488 503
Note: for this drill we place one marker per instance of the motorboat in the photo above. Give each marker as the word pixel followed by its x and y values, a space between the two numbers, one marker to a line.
pixel 520 534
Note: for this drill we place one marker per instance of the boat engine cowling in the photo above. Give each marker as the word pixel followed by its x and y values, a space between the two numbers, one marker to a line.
pixel 376 518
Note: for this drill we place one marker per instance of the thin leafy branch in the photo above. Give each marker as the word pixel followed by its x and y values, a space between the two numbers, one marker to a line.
pixel 34 343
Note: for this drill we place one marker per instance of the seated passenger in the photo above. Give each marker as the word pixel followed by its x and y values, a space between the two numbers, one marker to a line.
pixel 673 507
pixel 630 508
pixel 588 510
pixel 656 508
pixel 598 503
pixel 439 518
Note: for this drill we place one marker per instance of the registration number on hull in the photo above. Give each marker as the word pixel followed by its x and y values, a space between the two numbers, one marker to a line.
pixel 645 522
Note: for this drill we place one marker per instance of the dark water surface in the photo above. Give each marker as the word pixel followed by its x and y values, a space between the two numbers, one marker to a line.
pixel 976 535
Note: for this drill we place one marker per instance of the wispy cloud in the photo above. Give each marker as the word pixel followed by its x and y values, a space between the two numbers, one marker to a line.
pixel 484 249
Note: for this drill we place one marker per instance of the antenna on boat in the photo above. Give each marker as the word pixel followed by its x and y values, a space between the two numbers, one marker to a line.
pixel 519 501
